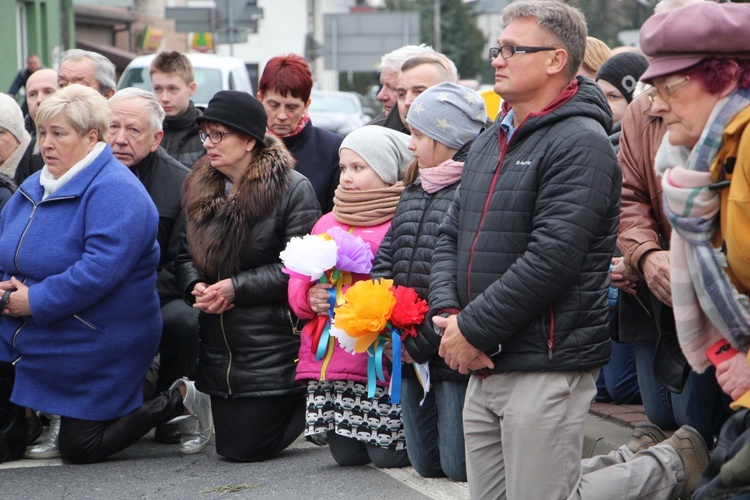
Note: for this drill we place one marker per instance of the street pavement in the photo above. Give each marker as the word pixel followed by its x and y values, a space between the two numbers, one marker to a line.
pixel 148 470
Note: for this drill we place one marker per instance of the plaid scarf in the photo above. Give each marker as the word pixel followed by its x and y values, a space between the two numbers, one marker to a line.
pixel 707 306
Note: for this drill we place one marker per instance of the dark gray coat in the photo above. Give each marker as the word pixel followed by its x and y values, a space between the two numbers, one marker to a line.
pixel 524 251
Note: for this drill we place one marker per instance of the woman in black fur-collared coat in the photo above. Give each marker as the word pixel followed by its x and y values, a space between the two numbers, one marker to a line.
pixel 243 202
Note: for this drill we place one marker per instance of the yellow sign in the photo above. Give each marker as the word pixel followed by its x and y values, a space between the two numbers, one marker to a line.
pixel 492 101
pixel 152 38
pixel 202 42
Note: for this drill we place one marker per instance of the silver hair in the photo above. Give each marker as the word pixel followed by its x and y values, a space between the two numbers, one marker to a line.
pixel 85 109
pixel 155 111
pixel 672 4
pixel 395 59
pixel 565 24
pixel 104 70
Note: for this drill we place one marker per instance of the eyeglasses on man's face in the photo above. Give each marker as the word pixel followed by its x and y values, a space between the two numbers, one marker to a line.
pixel 508 51
pixel 214 136
pixel 666 91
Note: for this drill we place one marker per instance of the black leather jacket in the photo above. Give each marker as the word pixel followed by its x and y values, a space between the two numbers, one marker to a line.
pixel 251 349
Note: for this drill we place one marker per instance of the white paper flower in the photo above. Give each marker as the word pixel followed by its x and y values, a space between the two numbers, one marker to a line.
pixel 309 256
pixel 346 342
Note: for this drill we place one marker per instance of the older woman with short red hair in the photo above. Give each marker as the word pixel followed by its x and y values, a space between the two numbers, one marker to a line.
pixel 284 89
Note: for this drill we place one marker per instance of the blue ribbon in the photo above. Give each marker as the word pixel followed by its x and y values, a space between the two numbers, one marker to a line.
pixel 374 367
pixel 396 373
pixel 370 372
pixel 326 334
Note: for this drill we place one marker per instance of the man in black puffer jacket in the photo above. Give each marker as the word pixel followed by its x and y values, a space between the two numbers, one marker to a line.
pixel 520 272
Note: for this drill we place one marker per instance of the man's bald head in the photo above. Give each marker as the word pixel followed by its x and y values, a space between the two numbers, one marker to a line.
pixel 40 85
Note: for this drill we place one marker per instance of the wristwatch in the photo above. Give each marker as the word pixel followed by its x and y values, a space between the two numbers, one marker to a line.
pixel 437 329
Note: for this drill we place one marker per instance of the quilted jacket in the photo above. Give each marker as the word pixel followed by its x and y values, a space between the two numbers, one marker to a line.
pixel 524 250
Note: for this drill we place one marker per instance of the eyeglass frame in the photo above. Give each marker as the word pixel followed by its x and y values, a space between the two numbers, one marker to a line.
pixel 669 89
pixel 207 135
pixel 517 49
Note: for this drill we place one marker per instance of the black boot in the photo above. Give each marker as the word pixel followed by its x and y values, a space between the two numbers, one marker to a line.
pixel 167 434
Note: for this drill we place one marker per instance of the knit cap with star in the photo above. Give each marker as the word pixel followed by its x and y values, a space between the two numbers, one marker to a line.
pixel 448 113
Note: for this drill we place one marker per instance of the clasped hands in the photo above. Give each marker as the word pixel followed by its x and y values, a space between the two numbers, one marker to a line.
pixel 458 353
pixel 214 299
pixel 622 276
pixel 18 303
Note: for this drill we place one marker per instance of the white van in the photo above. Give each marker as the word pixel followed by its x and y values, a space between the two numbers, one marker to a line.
pixel 212 74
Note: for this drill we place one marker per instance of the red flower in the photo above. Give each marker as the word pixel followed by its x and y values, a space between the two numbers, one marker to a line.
pixel 409 310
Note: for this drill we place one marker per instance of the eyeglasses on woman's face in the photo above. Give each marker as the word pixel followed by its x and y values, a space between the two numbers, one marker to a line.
pixel 215 136
pixel 666 91
pixel 508 51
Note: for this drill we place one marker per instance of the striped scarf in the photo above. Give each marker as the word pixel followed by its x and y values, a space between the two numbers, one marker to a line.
pixel 707 306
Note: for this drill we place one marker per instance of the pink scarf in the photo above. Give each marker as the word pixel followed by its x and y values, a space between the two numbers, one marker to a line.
pixel 436 178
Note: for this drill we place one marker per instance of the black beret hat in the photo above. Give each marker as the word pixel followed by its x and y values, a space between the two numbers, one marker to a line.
pixel 238 110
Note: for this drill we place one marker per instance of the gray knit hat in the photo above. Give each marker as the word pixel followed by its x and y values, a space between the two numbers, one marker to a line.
pixel 383 149
pixel 448 113
pixel 11 117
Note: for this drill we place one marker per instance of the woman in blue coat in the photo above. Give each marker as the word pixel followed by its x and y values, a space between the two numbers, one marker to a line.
pixel 78 257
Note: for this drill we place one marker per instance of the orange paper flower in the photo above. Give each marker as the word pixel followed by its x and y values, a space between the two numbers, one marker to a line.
pixel 366 311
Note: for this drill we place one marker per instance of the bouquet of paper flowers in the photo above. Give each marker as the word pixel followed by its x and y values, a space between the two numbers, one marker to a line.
pixel 375 312
pixel 330 257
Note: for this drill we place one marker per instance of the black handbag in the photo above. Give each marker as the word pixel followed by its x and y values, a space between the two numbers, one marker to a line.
pixel 13 435
pixel 635 322
pixel 671 368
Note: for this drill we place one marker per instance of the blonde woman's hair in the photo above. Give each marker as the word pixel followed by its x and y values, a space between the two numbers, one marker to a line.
pixel 596 53
pixel 85 108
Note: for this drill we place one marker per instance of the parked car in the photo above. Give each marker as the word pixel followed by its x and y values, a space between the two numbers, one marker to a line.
pixel 339 112
pixel 212 74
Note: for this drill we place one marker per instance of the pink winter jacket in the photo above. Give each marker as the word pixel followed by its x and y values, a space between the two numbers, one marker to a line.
pixel 342 365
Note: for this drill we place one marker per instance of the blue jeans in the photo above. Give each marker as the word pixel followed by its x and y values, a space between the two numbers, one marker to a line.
pixel 701 404
pixel 618 380
pixel 434 431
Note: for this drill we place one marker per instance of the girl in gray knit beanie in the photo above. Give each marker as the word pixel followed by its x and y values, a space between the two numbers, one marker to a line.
pixel 13 136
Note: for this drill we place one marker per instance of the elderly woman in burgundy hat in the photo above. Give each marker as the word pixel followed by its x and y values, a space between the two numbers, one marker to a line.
pixel 701 77
pixel 701 88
